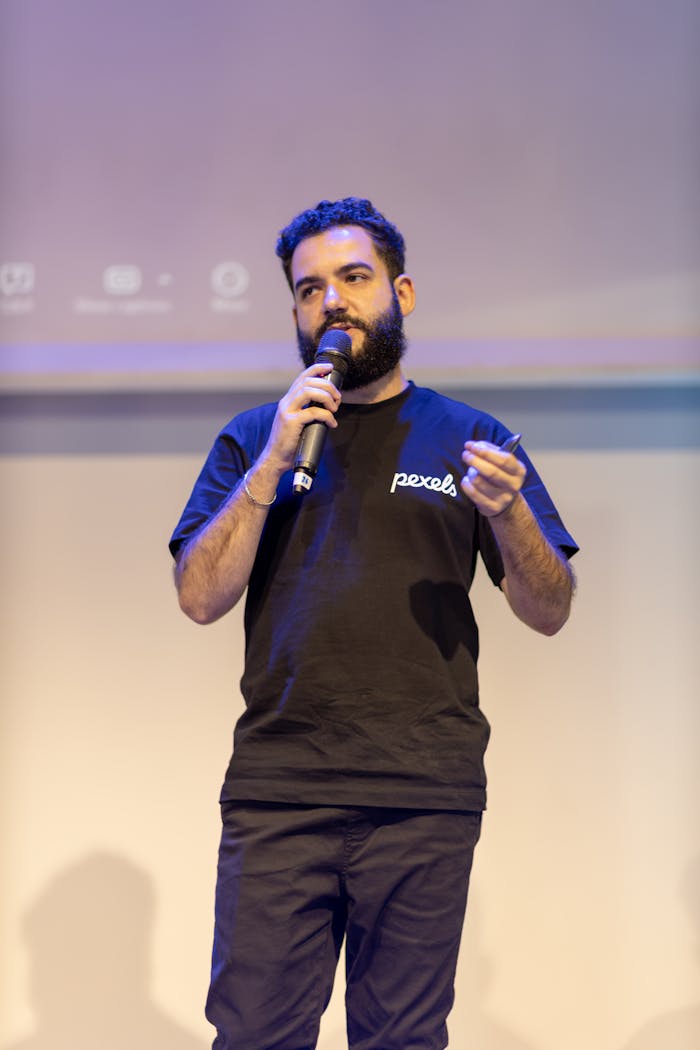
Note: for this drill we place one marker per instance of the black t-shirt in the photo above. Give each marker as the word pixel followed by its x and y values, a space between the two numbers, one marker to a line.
pixel 360 678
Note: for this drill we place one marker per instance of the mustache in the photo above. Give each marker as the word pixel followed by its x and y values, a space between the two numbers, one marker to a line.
pixel 351 322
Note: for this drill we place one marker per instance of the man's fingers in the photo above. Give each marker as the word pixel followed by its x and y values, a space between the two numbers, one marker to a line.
pixel 488 460
pixel 493 478
pixel 317 414
pixel 308 389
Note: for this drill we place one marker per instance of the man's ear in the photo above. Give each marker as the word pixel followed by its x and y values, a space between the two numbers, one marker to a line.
pixel 405 293
pixel 294 315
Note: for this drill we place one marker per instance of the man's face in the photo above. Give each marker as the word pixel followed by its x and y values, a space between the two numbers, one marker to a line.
pixel 340 281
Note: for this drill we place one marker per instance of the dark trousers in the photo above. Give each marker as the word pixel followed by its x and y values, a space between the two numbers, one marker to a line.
pixel 294 880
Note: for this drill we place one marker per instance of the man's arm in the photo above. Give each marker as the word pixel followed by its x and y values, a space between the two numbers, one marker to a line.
pixel 213 568
pixel 538 581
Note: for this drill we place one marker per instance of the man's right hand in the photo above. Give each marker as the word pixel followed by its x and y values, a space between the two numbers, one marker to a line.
pixel 310 398
pixel 213 569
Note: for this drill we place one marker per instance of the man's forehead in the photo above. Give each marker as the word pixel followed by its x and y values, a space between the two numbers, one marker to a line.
pixel 335 246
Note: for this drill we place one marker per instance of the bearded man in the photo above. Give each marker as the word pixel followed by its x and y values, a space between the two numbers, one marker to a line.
pixel 352 803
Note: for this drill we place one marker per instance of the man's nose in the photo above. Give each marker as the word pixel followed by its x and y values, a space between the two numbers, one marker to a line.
pixel 332 299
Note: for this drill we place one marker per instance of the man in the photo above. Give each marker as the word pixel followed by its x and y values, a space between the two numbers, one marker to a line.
pixel 353 800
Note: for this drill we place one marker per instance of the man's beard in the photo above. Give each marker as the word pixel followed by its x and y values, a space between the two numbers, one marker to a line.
pixel 381 351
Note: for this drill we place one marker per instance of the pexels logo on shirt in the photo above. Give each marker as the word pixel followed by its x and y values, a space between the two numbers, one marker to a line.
pixel 424 481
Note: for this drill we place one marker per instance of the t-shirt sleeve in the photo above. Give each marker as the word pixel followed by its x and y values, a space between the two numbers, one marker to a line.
pixel 546 515
pixel 224 467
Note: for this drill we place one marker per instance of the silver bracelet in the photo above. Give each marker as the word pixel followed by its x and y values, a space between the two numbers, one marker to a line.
pixel 251 497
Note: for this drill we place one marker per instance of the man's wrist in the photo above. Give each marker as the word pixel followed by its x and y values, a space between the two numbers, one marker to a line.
pixel 508 511
pixel 252 499
pixel 260 483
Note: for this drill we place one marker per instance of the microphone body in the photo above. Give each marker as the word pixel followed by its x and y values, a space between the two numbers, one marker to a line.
pixel 334 348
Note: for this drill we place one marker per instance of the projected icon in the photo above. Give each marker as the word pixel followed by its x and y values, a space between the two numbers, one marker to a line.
pixel 122 280
pixel 229 279
pixel 16 278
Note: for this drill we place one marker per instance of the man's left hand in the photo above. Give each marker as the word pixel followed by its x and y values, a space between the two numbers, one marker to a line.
pixel 493 479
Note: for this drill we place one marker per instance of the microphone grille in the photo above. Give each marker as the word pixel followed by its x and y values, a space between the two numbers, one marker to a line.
pixel 334 340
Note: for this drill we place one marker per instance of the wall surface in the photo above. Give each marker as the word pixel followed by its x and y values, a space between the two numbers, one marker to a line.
pixel 584 919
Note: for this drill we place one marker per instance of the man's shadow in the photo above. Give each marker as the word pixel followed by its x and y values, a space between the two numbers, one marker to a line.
pixel 678 1029
pixel 475 977
pixel 88 937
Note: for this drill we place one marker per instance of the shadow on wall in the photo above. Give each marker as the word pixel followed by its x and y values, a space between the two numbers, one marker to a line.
pixel 678 1029
pixel 475 977
pixel 88 937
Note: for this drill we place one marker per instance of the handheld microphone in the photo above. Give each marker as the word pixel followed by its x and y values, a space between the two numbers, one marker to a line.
pixel 335 348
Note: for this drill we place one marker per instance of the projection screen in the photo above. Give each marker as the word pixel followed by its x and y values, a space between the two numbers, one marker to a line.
pixel 541 158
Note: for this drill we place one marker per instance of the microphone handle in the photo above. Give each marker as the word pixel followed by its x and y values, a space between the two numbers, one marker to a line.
pixel 311 443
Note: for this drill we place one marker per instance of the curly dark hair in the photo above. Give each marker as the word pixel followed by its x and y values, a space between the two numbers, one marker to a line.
pixel 351 211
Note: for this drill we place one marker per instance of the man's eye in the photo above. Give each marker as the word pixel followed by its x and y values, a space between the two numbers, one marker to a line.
pixel 308 290
pixel 354 277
